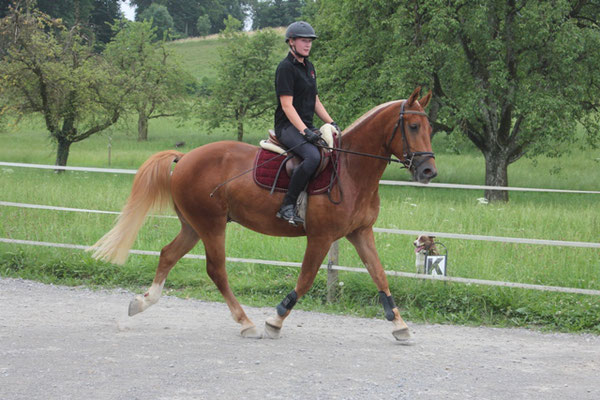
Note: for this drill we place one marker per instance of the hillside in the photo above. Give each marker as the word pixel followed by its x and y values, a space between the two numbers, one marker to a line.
pixel 198 55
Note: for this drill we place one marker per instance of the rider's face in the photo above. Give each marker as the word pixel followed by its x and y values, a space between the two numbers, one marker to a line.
pixel 302 46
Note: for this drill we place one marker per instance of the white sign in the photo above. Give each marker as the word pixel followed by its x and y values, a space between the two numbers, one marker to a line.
pixel 435 265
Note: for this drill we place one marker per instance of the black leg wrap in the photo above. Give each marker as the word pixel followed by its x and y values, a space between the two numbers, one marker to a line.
pixel 388 306
pixel 288 303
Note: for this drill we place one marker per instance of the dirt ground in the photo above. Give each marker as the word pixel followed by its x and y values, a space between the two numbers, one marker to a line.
pixel 75 343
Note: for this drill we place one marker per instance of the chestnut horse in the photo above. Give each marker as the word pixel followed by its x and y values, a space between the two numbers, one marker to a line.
pixel 204 217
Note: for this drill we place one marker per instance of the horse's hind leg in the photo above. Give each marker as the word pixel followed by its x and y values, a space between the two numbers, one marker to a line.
pixel 214 245
pixel 169 255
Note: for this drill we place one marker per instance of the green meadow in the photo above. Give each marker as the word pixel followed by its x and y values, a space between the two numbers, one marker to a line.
pixel 553 216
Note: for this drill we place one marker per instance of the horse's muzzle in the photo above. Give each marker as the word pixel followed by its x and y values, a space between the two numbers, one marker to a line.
pixel 425 170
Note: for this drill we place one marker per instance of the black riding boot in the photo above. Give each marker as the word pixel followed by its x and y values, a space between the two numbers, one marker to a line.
pixel 288 209
pixel 290 214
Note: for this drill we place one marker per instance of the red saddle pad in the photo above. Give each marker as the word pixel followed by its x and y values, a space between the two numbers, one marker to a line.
pixel 267 164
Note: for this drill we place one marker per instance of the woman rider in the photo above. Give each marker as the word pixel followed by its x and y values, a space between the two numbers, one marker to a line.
pixel 297 102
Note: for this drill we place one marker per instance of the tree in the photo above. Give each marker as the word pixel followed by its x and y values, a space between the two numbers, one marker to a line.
pixel 273 13
pixel 2 112
pixel 218 11
pixel 103 15
pixel 52 71
pixel 243 89
pixel 514 77
pixel 92 16
pixel 161 19
pixel 203 25
pixel 185 13
pixel 158 84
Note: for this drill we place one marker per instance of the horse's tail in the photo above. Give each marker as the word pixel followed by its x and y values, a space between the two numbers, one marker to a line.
pixel 151 190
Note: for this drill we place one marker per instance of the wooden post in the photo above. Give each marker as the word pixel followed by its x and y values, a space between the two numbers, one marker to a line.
pixel 109 148
pixel 332 275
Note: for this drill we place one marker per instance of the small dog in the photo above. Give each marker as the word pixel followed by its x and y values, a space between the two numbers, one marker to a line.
pixel 424 245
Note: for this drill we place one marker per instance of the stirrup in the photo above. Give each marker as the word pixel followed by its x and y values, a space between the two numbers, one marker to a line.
pixel 290 214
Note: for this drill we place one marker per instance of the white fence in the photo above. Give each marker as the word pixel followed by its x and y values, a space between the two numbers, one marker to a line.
pixel 332 266
pixel 382 182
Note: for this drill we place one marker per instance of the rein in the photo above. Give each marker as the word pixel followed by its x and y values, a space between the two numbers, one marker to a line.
pixel 408 155
pixel 358 153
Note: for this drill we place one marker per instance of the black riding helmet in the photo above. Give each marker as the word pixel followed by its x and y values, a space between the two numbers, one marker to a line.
pixel 299 29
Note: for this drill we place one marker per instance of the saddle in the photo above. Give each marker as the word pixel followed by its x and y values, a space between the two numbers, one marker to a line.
pixel 328 134
pixel 269 166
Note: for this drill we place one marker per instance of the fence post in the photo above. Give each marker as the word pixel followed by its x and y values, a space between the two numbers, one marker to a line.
pixel 332 275
pixel 109 148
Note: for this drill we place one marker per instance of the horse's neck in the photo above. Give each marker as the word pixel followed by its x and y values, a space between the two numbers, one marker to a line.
pixel 362 167
pixel 369 137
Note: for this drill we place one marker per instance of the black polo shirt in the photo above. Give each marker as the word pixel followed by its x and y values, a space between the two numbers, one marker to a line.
pixel 293 78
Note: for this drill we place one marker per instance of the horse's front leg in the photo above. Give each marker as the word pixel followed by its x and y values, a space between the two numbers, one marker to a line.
pixel 364 242
pixel 316 250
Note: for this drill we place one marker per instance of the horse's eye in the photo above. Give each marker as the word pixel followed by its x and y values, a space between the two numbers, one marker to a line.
pixel 414 127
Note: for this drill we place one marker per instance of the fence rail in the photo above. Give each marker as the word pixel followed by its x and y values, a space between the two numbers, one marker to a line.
pixel 379 230
pixel 479 187
pixel 333 267
pixel 58 167
pixel 382 182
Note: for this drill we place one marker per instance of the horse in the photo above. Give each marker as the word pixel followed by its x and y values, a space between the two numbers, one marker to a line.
pixel 190 187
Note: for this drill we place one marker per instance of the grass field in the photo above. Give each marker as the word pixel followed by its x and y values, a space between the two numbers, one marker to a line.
pixel 197 56
pixel 572 217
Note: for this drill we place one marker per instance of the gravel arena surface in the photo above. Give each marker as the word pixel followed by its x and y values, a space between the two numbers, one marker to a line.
pixel 75 343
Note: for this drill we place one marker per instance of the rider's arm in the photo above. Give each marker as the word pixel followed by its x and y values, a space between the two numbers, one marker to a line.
pixel 321 112
pixel 291 113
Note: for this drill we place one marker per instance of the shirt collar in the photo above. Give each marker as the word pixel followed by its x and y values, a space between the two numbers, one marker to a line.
pixel 293 59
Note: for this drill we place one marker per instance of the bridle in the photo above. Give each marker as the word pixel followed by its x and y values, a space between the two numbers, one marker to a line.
pixel 407 155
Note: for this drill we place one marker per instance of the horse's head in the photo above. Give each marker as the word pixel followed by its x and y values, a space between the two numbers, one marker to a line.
pixel 410 140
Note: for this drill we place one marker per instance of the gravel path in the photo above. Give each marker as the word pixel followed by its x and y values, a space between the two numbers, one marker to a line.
pixel 74 343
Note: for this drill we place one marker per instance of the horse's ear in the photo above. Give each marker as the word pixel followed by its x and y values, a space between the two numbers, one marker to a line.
pixel 425 100
pixel 414 96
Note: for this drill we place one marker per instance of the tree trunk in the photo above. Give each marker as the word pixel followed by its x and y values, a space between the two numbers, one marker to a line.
pixel 142 127
pixel 496 174
pixel 240 131
pixel 62 154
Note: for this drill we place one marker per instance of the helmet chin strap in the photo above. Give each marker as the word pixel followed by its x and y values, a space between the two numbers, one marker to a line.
pixel 295 52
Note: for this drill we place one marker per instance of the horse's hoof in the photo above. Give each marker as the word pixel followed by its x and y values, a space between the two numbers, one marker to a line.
pixel 271 331
pixel 403 336
pixel 135 307
pixel 251 333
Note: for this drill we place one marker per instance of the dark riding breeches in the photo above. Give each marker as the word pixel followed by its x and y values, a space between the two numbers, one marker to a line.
pixel 311 157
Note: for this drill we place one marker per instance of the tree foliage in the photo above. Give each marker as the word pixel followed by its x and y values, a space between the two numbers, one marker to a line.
pixel 51 70
pixel 274 13
pixel 92 16
pixel 185 13
pixel 514 77
pixel 162 21
pixel 104 13
pixel 243 89
pixel 158 84
pixel 203 25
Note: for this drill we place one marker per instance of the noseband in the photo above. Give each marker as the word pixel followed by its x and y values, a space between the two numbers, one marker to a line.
pixel 407 155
